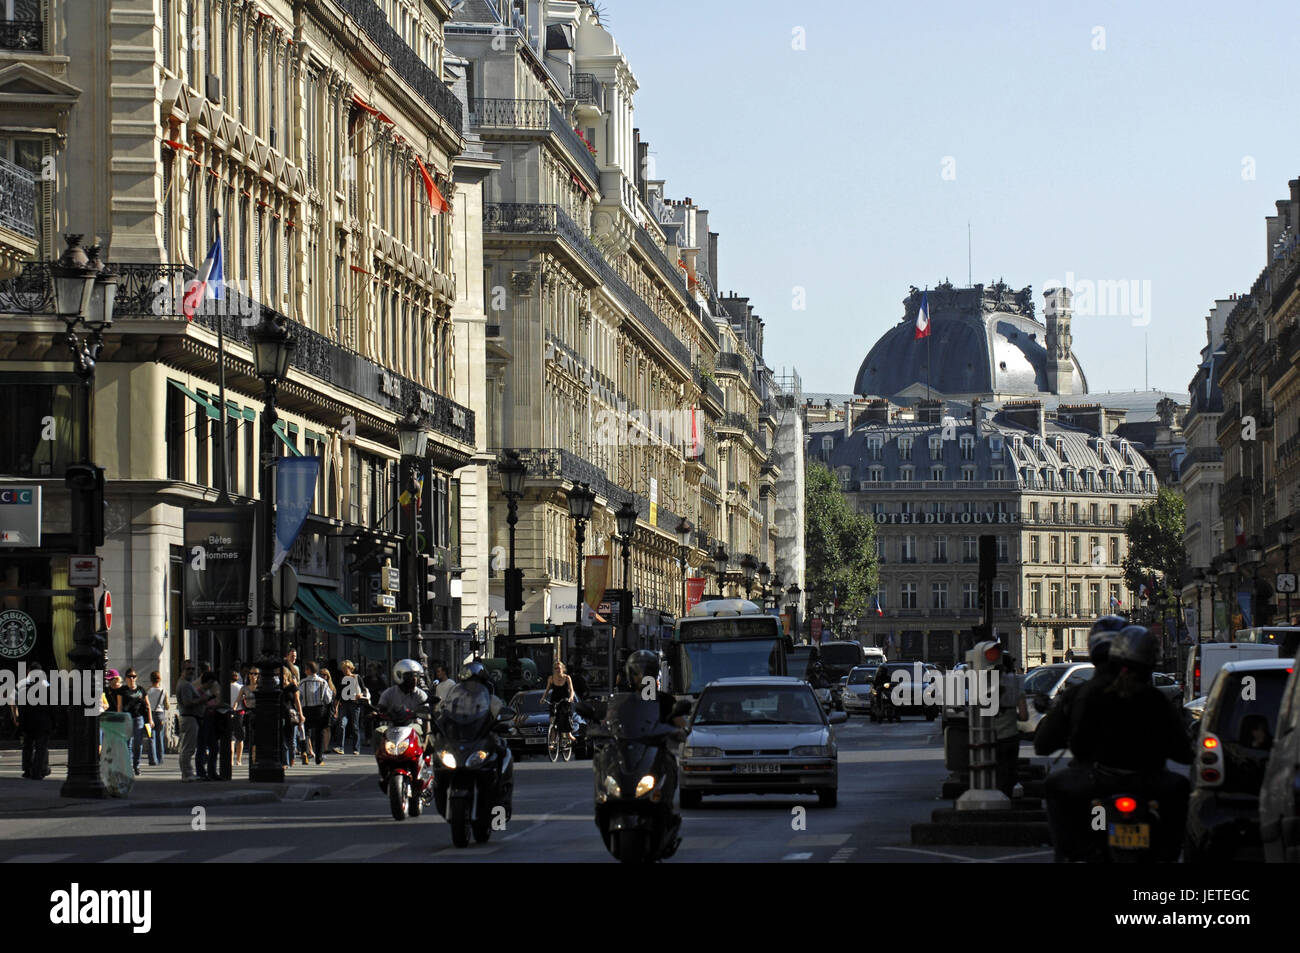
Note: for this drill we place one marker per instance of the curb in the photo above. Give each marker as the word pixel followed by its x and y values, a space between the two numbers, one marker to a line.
pixel 230 797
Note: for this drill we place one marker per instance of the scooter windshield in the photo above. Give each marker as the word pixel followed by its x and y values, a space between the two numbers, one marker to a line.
pixel 631 718
pixel 464 712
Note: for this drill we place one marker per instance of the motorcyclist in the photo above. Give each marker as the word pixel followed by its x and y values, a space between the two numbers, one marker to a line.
pixel 1119 722
pixel 880 694
pixel 642 665
pixel 1053 732
pixel 475 673
pixel 404 697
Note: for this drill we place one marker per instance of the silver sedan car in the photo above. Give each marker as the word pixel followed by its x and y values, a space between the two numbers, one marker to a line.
pixel 760 735
pixel 858 689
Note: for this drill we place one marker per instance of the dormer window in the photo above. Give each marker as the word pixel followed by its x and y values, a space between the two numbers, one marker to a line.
pixel 967 444
pixel 1060 447
pixel 905 447
pixel 874 447
pixel 936 446
pixel 995 446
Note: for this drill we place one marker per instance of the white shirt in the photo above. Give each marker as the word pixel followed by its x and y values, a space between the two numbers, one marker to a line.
pixel 235 689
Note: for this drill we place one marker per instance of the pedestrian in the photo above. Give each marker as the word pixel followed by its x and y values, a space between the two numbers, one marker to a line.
pixel 237 715
pixel 445 683
pixel 34 720
pixel 132 701
pixel 158 716
pixel 316 698
pixel 293 715
pixel 290 662
pixel 107 701
pixel 208 747
pixel 246 705
pixel 192 703
pixel 353 696
pixel 332 716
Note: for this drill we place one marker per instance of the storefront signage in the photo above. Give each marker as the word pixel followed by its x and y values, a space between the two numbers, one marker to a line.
pixel 17 634
pixel 20 515
pixel 218 566
pixel 947 517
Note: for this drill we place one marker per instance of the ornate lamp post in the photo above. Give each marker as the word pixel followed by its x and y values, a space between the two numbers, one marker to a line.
pixel 272 348
pixel 773 600
pixel 513 477
pixel 720 560
pixel 626 520
pixel 684 533
pixel 84 293
pixel 794 592
pixel 764 577
pixel 581 499
pixel 1284 537
pixel 1254 558
pixel 1227 578
pixel 749 565
pixel 413 441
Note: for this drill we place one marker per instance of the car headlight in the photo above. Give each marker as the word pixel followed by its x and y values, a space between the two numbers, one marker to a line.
pixel 812 751
pixel 703 752
pixel 448 758
pixel 645 785
pixel 611 786
pixel 478 757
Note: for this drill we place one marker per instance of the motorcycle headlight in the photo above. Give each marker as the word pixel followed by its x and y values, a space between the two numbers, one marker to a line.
pixel 812 751
pixel 611 786
pixel 448 759
pixel 390 748
pixel 478 757
pixel 645 785
pixel 703 752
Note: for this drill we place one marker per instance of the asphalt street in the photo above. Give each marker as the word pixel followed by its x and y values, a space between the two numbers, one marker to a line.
pixel 889 778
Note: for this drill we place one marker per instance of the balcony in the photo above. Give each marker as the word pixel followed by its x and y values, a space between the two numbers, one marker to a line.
pixel 17 218
pixel 533 115
pixel 21 35
pixel 588 90
pixel 514 218
pixel 404 61
pixel 1200 455
pixel 150 292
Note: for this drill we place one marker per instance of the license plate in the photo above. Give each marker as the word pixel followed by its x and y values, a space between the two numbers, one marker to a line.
pixel 1130 836
pixel 535 741
pixel 758 768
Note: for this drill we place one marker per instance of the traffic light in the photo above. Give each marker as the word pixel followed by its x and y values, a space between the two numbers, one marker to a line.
pixel 514 589
pixel 985 655
pixel 988 557
pixel 85 482
pixel 429 585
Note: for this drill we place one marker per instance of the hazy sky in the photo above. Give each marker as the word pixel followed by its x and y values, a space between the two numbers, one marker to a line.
pixel 1151 161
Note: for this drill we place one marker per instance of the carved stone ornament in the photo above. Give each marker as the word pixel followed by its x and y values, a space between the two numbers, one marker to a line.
pixel 522 282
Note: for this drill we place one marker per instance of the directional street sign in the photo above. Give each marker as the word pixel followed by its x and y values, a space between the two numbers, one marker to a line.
pixel 392 578
pixel 387 600
pixel 375 618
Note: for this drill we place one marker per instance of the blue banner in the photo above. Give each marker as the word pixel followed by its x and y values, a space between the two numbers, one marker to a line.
pixel 1245 600
pixel 295 487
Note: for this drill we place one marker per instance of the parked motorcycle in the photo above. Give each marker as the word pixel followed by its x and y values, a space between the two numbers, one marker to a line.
pixel 636 779
pixel 473 769
pixel 405 766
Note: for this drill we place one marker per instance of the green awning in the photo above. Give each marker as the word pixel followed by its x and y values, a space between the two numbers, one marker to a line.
pixel 310 609
pixel 204 404
pixel 336 605
pixel 279 432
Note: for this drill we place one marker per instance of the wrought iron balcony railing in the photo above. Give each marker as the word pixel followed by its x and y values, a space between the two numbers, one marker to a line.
pixel 17 198
pixel 588 90
pixel 510 113
pixel 156 291
pixel 20 34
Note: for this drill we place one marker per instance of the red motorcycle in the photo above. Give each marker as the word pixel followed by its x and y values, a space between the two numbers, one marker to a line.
pixel 405 766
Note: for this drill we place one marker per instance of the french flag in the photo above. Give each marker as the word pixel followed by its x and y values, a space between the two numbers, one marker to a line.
pixel 1240 530
pixel 879 611
pixel 1114 602
pixel 210 274
pixel 923 318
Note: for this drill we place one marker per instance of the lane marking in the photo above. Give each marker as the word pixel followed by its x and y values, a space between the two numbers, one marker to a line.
pixel 37 858
pixel 817 840
pixel 247 855
pixel 936 853
pixel 141 857
pixel 842 855
pixel 799 856
pixel 359 852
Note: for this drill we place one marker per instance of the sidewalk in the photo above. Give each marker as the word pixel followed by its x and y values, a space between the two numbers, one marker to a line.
pixel 161 786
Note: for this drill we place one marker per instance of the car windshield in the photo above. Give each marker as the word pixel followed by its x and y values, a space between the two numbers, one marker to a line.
pixel 1044 679
pixel 1249 718
pixel 528 703
pixel 758 704
pixel 861 676
pixel 841 653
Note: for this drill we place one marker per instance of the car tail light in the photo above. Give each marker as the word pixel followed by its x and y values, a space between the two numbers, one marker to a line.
pixel 1211 775
pixel 1196 681
pixel 1125 805
pixel 1211 760
pixel 1210 742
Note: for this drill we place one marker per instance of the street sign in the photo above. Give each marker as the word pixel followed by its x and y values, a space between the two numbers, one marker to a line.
pixel 392 578
pixel 1285 582
pixel 387 600
pixel 83 571
pixel 106 607
pixel 375 618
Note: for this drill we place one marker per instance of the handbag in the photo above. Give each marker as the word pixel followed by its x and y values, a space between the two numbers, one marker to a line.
pixel 294 719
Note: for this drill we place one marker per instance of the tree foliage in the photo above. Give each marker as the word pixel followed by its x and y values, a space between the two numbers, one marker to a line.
pixel 840 545
pixel 1155 543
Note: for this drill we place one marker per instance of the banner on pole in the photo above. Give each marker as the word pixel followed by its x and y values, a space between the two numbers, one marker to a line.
pixel 694 591
pixel 295 487
pixel 595 579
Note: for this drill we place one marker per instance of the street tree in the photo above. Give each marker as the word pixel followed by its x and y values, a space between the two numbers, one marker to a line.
pixel 1155 546
pixel 839 544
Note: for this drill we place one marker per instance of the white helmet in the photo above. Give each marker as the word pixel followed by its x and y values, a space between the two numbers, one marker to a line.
pixel 407 666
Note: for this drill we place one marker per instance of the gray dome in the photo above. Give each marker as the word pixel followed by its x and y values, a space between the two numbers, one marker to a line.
pixel 982 341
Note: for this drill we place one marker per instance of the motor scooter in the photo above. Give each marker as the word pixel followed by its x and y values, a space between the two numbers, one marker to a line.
pixel 405 766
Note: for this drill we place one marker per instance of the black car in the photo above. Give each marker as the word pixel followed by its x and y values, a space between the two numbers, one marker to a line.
pixel 532 719
pixel 1232 749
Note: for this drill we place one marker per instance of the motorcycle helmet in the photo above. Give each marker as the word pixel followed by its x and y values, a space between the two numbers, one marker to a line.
pixel 1135 647
pixel 407 672
pixel 641 664
pixel 475 671
pixel 1100 637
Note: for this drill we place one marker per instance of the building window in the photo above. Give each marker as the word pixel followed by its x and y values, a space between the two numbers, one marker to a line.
pixel 1074 549
pixel 1115 603
pixel 941 549
pixel 1033 511
pixel 874 447
pixel 1003 550
pixel 35 410
pixel 1114 550
pixel 969 549
pixel 970 596
pixel 907 474
pixel 175 432
pixel 1075 607
pixel 1055 596
pixel 908 549
pixel 1001 595
pixel 876 474
pixel 1036 598
pixel 1096 554
pixel 1034 549
pixel 905 448
pixel 1094 598
pixel 939 595
pixel 907 595
pixel 1055 546
pixel 936 473
pixel 880 548
pixel 967 443
pixel 968 474
pixel 936 446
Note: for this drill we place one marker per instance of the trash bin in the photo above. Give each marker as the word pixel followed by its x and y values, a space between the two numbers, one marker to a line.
pixel 223 727
pixel 115 769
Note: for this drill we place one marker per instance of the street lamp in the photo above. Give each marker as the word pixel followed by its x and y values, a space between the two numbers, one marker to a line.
pixel 794 592
pixel 764 577
pixel 1284 537
pixel 413 440
pixel 626 520
pixel 272 348
pixel 684 532
pixel 774 592
pixel 513 475
pixel 84 294
pixel 1226 577
pixel 581 499
pixel 1254 558
pixel 720 560
pixel 749 565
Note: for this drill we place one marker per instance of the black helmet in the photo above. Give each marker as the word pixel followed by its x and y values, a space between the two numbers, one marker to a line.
pixel 641 664
pixel 475 671
pixel 1135 646
pixel 1100 636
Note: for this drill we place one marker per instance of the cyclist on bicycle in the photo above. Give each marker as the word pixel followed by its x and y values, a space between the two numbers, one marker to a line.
pixel 559 695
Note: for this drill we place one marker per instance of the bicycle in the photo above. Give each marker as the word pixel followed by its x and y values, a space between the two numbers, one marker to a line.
pixel 559 744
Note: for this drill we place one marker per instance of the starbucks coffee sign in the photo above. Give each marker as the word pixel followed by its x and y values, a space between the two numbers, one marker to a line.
pixel 17 634
pixel 947 518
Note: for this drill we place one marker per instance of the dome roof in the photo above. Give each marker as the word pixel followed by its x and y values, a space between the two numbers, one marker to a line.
pixel 983 340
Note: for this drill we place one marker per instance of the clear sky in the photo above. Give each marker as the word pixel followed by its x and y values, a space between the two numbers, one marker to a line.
pixel 850 168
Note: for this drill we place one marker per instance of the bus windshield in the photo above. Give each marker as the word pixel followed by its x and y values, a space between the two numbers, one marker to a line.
pixel 704 662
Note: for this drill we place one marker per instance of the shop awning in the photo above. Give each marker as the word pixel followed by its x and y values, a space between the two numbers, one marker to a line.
pixel 212 410
pixel 311 609
pixel 279 432
pixel 334 605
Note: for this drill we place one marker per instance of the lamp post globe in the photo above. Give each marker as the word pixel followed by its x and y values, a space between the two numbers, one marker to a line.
pixel 720 561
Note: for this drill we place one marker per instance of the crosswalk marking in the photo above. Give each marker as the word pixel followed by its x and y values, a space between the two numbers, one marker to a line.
pixel 798 856
pixel 141 857
pixel 37 858
pixel 706 843
pixel 842 855
pixel 248 855
pixel 359 852
pixel 817 840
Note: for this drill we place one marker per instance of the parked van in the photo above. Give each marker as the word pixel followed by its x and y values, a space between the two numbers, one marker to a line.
pixel 873 656
pixel 1206 658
